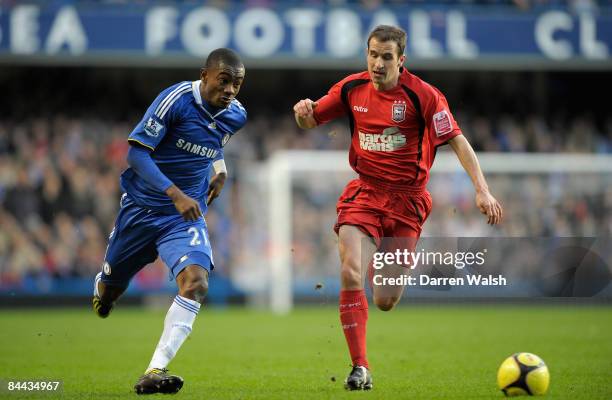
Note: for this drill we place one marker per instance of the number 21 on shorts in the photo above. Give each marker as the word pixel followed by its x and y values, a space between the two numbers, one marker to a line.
pixel 195 239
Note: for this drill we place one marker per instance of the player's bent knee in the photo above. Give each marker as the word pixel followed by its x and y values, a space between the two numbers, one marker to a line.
pixel 385 303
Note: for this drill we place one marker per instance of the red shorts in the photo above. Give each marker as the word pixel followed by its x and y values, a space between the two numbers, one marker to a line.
pixel 383 213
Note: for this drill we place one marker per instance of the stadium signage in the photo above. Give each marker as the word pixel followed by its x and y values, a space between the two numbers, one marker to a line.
pixel 308 34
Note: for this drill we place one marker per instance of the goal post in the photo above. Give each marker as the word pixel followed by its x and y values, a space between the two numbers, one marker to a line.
pixel 280 168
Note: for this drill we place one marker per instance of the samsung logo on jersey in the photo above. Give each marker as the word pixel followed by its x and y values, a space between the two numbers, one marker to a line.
pixel 196 149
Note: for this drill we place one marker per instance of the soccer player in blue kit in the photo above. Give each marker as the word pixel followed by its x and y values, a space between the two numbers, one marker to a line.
pixel 167 191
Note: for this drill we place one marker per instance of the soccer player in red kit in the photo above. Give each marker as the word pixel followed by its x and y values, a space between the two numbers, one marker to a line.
pixel 397 121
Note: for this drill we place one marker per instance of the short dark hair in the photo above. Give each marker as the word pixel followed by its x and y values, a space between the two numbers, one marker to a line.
pixel 384 33
pixel 225 56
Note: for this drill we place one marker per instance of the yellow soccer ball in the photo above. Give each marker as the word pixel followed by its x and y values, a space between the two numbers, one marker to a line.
pixel 523 374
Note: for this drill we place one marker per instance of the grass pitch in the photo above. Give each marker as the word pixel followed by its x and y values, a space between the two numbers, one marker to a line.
pixel 424 352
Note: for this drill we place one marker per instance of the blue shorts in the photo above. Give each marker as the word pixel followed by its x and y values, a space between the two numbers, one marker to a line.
pixel 140 235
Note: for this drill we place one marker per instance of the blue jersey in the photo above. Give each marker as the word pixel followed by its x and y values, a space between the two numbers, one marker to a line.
pixel 185 136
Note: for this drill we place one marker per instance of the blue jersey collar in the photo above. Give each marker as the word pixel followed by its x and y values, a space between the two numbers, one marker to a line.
pixel 195 86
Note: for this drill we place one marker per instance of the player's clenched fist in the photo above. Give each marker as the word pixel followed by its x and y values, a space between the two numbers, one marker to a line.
pixel 185 205
pixel 304 108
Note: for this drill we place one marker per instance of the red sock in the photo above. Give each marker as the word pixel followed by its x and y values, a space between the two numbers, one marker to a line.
pixel 354 317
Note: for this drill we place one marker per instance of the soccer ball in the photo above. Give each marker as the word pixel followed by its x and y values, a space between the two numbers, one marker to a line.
pixel 523 374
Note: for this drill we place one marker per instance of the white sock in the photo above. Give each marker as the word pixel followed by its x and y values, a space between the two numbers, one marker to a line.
pixel 177 326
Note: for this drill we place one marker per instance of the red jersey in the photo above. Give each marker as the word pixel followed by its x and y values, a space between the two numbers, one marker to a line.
pixel 394 132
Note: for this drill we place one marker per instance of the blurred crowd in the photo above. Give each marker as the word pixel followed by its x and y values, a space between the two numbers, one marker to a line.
pixel 59 194
pixel 59 189
pixel 533 134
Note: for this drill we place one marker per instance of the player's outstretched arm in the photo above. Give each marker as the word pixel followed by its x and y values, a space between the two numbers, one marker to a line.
pixel 486 203
pixel 303 111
